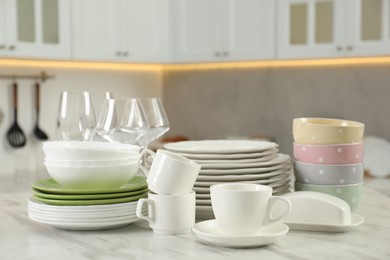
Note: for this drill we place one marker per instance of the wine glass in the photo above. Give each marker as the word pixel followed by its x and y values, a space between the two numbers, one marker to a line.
pixel 157 120
pixel 98 99
pixel 121 121
pixel 76 117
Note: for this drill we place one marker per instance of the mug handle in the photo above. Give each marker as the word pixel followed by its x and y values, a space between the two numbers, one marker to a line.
pixel 143 158
pixel 140 205
pixel 271 205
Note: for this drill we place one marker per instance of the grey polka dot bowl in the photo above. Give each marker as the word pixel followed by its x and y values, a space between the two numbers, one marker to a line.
pixel 327 131
pixel 329 174
pixel 349 193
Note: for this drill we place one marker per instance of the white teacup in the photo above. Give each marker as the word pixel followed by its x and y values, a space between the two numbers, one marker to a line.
pixel 169 214
pixel 170 173
pixel 242 209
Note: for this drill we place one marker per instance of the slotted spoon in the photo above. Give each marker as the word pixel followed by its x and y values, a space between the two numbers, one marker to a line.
pixel 15 136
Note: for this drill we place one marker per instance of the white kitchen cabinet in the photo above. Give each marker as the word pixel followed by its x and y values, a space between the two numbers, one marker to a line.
pixel 118 30
pixel 222 30
pixel 311 28
pixel 331 28
pixel 35 29
pixel 369 28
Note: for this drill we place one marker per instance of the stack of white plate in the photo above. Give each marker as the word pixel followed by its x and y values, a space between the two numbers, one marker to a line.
pixel 86 209
pixel 234 161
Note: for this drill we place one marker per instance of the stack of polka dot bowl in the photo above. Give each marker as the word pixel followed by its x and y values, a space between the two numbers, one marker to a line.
pixel 329 157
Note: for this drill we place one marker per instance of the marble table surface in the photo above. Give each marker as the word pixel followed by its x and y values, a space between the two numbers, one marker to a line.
pixel 20 238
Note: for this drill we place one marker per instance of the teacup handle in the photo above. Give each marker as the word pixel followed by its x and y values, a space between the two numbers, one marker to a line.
pixel 142 160
pixel 269 219
pixel 140 205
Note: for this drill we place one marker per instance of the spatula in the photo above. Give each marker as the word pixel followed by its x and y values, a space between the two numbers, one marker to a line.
pixel 37 131
pixel 15 136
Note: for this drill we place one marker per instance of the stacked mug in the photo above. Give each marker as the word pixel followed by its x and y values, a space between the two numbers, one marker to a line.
pixel 329 157
pixel 171 200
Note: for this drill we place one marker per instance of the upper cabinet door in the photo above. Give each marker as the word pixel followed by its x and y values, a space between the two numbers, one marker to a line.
pixel 311 28
pixel 143 26
pixel 196 31
pixel 249 29
pixel 3 42
pixel 38 28
pixel 369 25
pixel 96 29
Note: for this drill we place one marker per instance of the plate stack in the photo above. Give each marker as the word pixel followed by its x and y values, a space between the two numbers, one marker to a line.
pixel 234 161
pixel 86 209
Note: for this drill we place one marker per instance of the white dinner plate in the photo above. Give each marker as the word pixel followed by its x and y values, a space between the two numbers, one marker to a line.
pixel 229 156
pixel 356 220
pixel 111 213
pixel 280 158
pixel 209 232
pixel 268 157
pixel 263 182
pixel 242 177
pixel 276 187
pixel 246 170
pixel 377 156
pixel 75 219
pixel 86 226
pixel 220 146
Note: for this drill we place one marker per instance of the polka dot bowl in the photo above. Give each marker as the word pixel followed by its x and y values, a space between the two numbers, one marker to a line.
pixel 329 174
pixel 329 154
pixel 349 193
pixel 327 131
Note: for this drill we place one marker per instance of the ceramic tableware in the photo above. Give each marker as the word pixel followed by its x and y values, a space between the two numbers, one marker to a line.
pixel 350 193
pixel 327 131
pixel 376 159
pixel 329 154
pixel 329 174
pixel 170 173
pixel 169 214
pixel 243 209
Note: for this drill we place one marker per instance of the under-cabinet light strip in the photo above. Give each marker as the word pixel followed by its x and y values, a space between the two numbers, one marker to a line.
pixel 193 66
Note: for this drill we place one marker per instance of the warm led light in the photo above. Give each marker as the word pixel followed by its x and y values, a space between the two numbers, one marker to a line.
pixel 79 65
pixel 194 66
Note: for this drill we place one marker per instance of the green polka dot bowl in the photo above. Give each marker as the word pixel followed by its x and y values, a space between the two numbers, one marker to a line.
pixel 350 193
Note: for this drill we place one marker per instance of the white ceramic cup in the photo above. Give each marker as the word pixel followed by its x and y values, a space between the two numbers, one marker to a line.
pixel 170 173
pixel 242 209
pixel 169 214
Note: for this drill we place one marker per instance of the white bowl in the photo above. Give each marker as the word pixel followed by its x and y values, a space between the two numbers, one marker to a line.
pixel 78 150
pixel 88 177
pixel 93 163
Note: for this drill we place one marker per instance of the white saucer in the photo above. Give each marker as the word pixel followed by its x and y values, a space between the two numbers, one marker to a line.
pixel 209 232
pixel 356 220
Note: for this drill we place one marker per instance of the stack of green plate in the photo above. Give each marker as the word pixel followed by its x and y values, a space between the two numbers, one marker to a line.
pixel 77 209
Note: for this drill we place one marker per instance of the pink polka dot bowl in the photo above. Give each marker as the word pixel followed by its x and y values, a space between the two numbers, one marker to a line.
pixel 329 154
pixel 327 131
pixel 329 174
pixel 349 193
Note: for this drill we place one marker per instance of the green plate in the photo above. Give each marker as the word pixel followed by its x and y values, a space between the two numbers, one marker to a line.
pixel 90 202
pixel 52 187
pixel 38 193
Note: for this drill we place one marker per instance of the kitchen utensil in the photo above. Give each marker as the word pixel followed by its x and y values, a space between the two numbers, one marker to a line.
pixel 170 173
pixel 169 214
pixel 15 136
pixel 1 116
pixel 37 131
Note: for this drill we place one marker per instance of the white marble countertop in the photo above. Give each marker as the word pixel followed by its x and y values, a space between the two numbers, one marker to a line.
pixel 20 238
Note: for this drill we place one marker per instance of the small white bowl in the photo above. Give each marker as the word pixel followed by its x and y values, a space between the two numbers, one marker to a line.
pixel 93 163
pixel 78 150
pixel 103 177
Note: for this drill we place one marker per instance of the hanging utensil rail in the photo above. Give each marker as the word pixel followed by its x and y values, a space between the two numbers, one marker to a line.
pixel 43 76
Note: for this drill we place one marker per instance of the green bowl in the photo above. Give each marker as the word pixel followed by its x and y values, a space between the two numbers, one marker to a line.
pixel 351 193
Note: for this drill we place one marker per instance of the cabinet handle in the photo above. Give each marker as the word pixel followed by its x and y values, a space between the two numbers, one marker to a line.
pixel 350 47
pixel 217 53
pixel 2 46
pixel 339 48
pixel 12 47
pixel 118 53
pixel 125 54
pixel 225 53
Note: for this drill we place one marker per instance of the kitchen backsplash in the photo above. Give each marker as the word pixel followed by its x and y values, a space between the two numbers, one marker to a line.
pixel 263 101
pixel 27 159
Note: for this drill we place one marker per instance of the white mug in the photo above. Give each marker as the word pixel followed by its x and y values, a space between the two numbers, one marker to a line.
pixel 170 173
pixel 242 209
pixel 169 214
